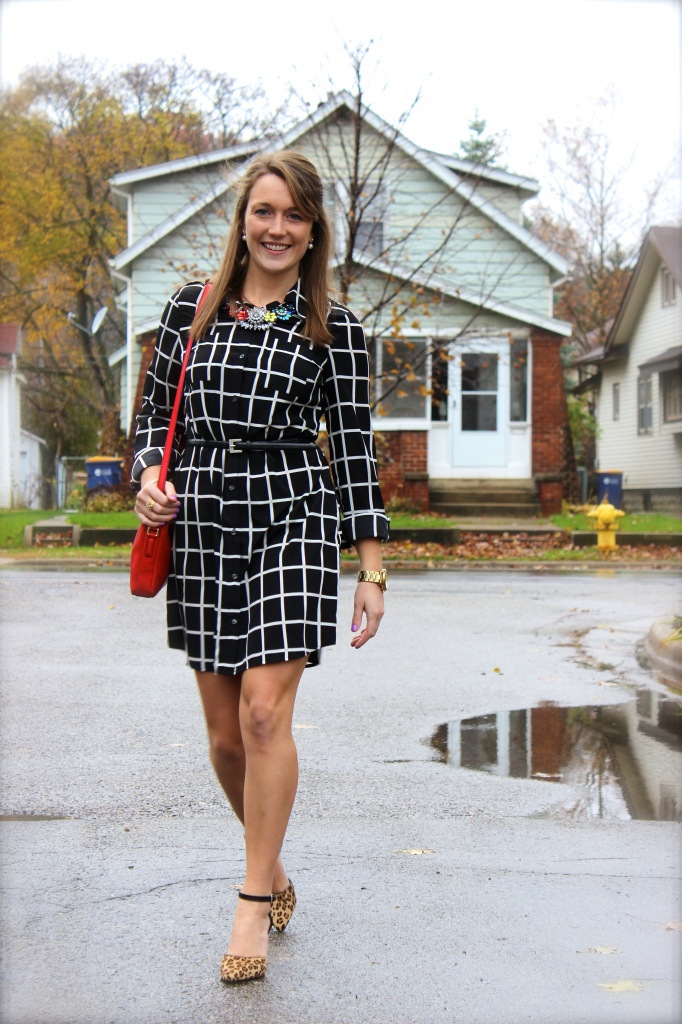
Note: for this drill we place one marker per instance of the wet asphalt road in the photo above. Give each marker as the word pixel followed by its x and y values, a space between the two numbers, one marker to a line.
pixel 118 911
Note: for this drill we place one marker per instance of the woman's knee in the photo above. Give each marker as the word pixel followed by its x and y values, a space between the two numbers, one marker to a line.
pixel 225 747
pixel 262 721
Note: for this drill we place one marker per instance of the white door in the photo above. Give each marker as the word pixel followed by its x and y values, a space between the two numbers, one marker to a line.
pixel 479 397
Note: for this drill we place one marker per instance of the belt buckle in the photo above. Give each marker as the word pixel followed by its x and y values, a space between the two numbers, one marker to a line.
pixel 232 450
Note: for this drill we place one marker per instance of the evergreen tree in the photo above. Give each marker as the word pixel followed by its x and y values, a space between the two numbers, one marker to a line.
pixel 480 148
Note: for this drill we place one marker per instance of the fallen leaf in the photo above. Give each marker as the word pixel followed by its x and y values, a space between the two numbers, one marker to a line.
pixel 602 949
pixel 603 682
pixel 306 727
pixel 622 986
pixel 674 926
pixel 496 670
pixel 177 744
pixel 111 606
pixel 415 853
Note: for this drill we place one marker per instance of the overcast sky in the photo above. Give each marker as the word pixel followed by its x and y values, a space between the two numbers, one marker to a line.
pixel 519 61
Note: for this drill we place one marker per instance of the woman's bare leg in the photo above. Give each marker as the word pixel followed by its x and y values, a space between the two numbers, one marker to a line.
pixel 266 710
pixel 220 696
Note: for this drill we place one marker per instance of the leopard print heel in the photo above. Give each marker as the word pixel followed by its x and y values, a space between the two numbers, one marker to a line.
pixel 245 968
pixel 283 904
pixel 242 968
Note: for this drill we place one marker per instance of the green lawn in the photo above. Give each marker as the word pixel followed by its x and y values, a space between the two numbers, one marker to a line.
pixel 12 523
pixel 404 521
pixel 634 522
pixel 105 520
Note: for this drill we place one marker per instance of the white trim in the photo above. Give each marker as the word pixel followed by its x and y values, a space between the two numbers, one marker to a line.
pixel 402 423
pixel 117 356
pixel 33 437
pixel 187 163
pixel 424 157
pixel 520 181
pixel 435 283
pixel 145 326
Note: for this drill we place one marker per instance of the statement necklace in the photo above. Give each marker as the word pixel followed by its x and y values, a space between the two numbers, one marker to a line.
pixel 259 318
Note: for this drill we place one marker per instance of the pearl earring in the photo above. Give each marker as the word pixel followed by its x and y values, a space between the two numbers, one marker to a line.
pixel 243 238
pixel 310 244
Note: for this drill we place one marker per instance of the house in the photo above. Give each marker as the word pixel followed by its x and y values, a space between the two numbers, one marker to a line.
pixel 638 379
pixel 445 276
pixel 21 475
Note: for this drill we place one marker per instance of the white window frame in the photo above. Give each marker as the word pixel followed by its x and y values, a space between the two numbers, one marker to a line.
pixel 383 201
pixel 666 380
pixel 401 422
pixel 668 288
pixel 645 405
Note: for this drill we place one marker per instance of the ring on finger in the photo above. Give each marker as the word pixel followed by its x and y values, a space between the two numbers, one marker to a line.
pixel 149 503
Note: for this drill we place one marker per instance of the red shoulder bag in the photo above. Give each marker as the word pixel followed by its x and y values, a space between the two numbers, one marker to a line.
pixel 151 556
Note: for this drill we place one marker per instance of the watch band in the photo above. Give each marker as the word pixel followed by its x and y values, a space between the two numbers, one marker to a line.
pixel 379 576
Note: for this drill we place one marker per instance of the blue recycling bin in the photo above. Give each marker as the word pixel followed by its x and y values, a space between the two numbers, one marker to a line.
pixel 610 486
pixel 103 471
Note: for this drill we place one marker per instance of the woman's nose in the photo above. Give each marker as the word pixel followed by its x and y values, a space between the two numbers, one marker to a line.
pixel 277 225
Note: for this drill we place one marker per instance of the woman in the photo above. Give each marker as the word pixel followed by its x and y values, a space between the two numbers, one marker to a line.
pixel 252 592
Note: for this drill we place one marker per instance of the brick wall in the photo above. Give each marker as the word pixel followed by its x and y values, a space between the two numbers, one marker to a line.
pixel 402 458
pixel 552 453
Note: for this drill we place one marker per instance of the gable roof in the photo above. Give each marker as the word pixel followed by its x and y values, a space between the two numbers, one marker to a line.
pixel 661 245
pixel 439 166
pixel 436 283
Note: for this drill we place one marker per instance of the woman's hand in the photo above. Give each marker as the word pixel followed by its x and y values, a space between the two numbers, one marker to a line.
pixel 165 507
pixel 369 598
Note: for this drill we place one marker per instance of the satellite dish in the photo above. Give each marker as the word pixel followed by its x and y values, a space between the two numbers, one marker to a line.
pixel 99 319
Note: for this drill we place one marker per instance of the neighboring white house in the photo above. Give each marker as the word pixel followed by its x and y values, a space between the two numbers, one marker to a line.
pixel 639 379
pixel 452 232
pixel 21 474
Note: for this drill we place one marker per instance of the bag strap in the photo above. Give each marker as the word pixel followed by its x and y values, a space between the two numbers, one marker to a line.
pixel 170 436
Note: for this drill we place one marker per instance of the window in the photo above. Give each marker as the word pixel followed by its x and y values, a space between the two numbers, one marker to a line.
pixel 371 210
pixel 616 401
pixel 479 391
pixel 672 395
pixel 518 398
pixel 400 378
pixel 645 412
pixel 440 361
pixel 668 288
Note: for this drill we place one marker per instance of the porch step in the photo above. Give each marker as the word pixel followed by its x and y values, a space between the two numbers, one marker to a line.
pixel 486 509
pixel 466 497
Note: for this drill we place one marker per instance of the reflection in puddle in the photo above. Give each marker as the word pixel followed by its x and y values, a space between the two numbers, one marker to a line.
pixel 624 759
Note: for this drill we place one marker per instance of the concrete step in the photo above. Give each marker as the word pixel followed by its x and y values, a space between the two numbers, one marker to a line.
pixel 471 495
pixel 493 510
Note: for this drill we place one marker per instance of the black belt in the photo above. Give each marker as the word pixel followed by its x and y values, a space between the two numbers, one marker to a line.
pixel 235 446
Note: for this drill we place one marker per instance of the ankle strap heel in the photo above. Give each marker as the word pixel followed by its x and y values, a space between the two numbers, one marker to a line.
pixel 255 899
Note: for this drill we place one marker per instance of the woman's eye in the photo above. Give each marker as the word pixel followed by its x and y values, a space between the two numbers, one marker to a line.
pixel 259 212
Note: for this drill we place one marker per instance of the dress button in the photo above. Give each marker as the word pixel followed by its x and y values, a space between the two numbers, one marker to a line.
pixel 231 487
pixel 235 399
pixel 233 532
pixel 234 622
pixel 241 356
pixel 235 575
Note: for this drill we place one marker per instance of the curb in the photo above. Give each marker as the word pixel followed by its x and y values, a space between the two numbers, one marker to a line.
pixel 666 658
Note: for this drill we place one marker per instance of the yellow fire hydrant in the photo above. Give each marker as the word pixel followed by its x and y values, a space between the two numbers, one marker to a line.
pixel 606 517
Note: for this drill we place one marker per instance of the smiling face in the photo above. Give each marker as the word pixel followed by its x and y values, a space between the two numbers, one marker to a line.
pixel 277 233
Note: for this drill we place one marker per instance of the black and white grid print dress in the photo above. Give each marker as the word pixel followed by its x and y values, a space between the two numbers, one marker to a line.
pixel 255 566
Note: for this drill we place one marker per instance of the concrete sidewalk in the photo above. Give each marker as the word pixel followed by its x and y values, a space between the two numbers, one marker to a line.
pixel 426 893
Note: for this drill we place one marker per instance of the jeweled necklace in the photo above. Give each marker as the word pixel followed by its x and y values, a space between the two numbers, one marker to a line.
pixel 259 318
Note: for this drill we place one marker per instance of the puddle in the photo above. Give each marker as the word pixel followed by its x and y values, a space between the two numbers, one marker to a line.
pixel 624 759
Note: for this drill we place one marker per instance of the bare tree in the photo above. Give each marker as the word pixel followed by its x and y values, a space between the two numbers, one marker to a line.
pixel 586 219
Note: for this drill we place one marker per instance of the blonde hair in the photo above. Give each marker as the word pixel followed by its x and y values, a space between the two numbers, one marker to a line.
pixel 305 185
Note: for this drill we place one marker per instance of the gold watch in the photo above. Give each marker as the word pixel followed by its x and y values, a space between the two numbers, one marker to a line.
pixel 379 576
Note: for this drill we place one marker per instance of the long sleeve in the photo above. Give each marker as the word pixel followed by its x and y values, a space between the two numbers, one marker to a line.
pixel 162 380
pixel 345 404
